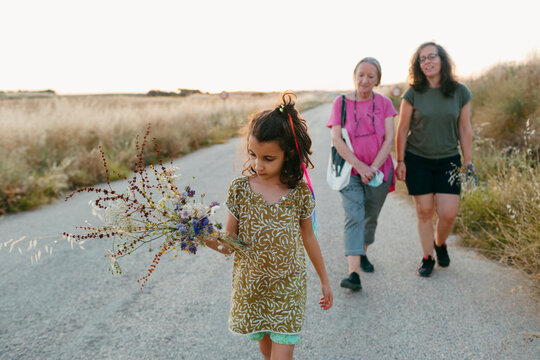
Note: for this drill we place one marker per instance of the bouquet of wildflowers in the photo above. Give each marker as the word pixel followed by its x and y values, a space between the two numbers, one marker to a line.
pixel 151 212
pixel 466 176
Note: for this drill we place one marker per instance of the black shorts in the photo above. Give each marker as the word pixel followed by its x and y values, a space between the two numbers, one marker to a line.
pixel 431 176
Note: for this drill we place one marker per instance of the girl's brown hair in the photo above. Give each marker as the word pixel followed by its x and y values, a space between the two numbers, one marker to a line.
pixel 419 82
pixel 274 125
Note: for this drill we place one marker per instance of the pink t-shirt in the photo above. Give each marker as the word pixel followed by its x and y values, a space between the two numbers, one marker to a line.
pixel 367 147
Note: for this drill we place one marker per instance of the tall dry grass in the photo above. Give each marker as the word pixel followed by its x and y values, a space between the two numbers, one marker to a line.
pixel 502 217
pixel 50 145
pixel 504 98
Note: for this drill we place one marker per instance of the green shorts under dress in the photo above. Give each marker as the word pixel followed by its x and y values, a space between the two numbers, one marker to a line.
pixel 283 339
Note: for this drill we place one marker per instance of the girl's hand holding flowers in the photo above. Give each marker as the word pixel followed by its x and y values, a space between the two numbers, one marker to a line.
pixel 218 245
pixel 153 211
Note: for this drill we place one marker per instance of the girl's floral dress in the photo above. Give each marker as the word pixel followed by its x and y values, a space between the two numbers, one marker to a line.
pixel 269 285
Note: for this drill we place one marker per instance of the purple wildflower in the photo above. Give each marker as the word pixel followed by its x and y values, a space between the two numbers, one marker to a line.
pixel 181 228
pixel 205 221
pixel 189 191
pixel 197 226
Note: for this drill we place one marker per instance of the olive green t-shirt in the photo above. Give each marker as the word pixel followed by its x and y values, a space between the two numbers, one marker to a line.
pixel 434 130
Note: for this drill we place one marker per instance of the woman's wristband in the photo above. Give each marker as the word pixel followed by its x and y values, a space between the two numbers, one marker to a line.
pixel 400 161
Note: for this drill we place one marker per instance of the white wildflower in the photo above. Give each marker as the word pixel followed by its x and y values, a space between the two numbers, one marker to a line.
pixel 116 214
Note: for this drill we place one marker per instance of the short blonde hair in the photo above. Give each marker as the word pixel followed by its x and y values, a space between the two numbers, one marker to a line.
pixel 373 61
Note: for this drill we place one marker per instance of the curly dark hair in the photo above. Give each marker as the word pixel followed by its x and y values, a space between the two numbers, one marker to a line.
pixel 419 82
pixel 274 125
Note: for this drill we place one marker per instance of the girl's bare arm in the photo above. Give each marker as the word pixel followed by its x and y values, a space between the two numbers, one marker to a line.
pixel 315 255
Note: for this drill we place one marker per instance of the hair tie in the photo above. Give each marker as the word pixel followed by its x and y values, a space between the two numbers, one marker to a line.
pixel 281 108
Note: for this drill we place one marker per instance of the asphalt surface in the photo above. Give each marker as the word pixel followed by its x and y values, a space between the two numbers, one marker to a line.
pixel 69 306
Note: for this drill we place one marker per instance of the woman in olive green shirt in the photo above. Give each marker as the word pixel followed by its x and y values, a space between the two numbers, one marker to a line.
pixel 434 122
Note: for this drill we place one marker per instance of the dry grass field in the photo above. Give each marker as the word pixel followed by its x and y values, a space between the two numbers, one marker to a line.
pixel 50 145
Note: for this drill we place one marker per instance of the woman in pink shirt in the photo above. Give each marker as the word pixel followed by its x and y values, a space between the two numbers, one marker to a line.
pixel 370 124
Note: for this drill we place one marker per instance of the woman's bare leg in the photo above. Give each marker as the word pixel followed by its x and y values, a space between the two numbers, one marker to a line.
pixel 425 210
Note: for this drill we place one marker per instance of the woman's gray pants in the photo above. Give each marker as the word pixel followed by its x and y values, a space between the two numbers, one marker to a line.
pixel 362 204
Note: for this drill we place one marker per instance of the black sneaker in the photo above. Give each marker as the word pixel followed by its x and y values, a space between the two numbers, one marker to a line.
pixel 352 282
pixel 427 266
pixel 365 264
pixel 442 255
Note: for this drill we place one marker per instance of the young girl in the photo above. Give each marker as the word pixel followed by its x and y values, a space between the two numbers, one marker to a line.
pixel 271 207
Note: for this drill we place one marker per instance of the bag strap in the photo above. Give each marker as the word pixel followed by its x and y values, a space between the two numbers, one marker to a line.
pixel 343 111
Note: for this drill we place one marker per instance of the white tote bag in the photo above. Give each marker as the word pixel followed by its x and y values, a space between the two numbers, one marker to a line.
pixel 338 172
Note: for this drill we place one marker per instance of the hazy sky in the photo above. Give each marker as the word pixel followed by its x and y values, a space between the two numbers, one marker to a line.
pixel 75 46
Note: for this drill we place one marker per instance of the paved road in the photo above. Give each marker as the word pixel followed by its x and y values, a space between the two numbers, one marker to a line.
pixel 69 307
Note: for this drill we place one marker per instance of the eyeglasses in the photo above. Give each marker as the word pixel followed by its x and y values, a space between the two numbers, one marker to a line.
pixel 430 57
pixel 356 120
